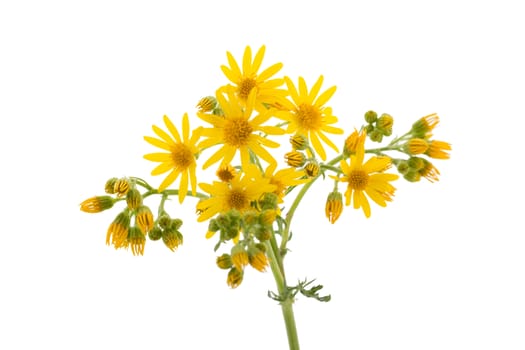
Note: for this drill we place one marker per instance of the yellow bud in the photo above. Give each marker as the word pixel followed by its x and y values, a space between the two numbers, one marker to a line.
pixel 235 277
pixel 425 125
pixel 136 240
pixel 144 218
pixel 334 206
pixel 239 256
pixel 299 142
pixel 385 124
pixel 133 199
pixel 437 149
pixel 416 146
pixel 258 259
pixel 110 185
pixel 224 261
pixel 207 104
pixel 121 187
pixel 97 204
pixel 295 159
pixel 429 171
pixel 312 169
pixel 172 238
pixel 118 230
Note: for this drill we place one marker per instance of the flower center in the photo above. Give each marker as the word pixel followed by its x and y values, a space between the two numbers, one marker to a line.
pixel 182 156
pixel 308 117
pixel 358 179
pixel 237 200
pixel 245 86
pixel 237 132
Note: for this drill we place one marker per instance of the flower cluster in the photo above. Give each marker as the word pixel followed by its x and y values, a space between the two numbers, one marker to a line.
pixel 244 123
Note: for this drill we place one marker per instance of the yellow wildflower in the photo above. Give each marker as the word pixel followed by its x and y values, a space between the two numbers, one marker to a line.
pixel 180 157
pixel 437 149
pixel 308 116
pixel 238 131
pixel 248 80
pixel 367 179
pixel 237 194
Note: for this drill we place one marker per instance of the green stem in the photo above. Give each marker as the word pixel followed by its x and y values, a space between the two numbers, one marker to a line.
pixel 297 200
pixel 287 300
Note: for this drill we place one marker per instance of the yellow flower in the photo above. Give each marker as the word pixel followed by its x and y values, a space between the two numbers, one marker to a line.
pixel 237 194
pixel 367 178
pixel 437 149
pixel 308 116
pixel 249 79
pixel 295 159
pixel 144 219
pixel 136 240
pixel 235 277
pixel 238 131
pixel 180 155
pixel 283 179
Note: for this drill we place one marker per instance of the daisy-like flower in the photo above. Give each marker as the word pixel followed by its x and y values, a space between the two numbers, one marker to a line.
pixel 284 178
pixel 238 131
pixel 237 194
pixel 180 155
pixel 308 116
pixel 367 178
pixel 248 80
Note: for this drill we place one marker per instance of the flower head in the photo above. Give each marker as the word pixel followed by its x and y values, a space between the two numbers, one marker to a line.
pixel 424 126
pixel 283 179
pixel 367 178
pixel 237 131
pixel 248 79
pixel 437 149
pixel 308 116
pixel 180 155
pixel 237 194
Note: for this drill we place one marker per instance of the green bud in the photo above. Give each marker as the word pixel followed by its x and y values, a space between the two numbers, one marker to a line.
pixel 370 117
pixel 155 233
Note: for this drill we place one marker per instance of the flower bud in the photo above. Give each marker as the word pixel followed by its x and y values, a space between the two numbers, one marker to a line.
pixel 370 117
pixel 121 187
pixel 437 149
pixel 334 206
pixel 257 259
pixel 136 240
pixel 155 233
pixel 206 104
pixel 224 261
pixel 239 256
pixel 97 204
pixel 385 124
pixel 235 277
pixel 376 135
pixel 133 199
pixel 172 238
pixel 425 125
pixel 110 185
pixel 144 219
pixel 118 230
pixel 299 142
pixel 295 159
pixel 312 169
pixel 416 146
pixel 415 163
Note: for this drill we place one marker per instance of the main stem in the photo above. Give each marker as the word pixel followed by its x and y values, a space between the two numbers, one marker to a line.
pixel 286 299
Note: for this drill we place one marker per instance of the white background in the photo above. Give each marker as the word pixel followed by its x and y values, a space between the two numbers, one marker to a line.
pixel 82 82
